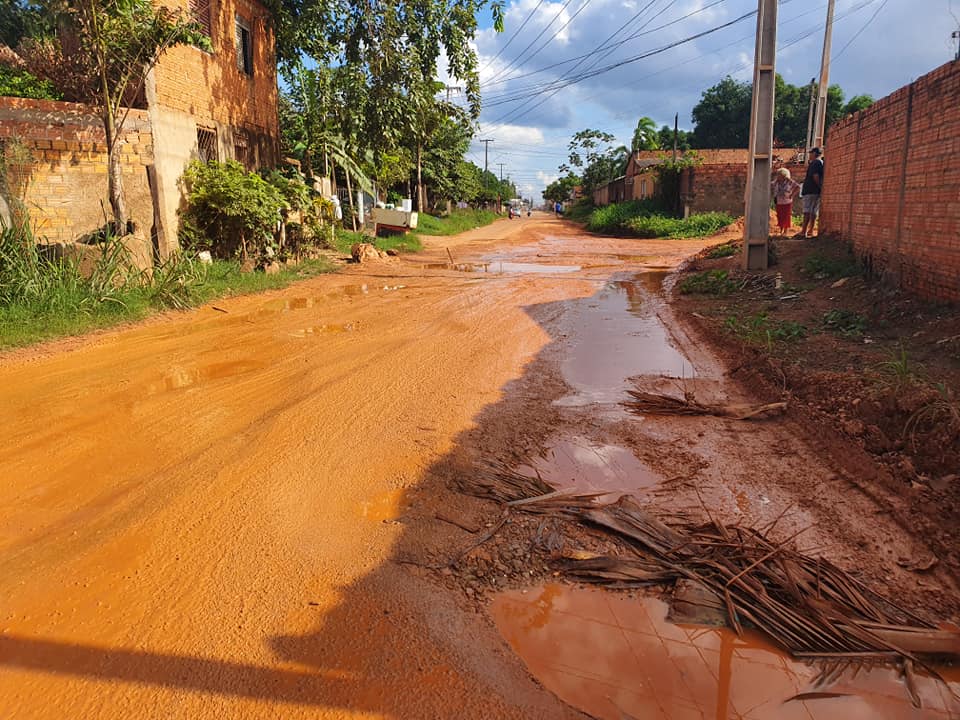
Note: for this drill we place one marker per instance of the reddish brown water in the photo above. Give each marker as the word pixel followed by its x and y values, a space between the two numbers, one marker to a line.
pixel 616 334
pixel 618 657
pixel 584 465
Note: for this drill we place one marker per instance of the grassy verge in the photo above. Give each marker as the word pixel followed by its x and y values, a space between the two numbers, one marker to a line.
pixel 457 222
pixel 43 298
pixel 646 219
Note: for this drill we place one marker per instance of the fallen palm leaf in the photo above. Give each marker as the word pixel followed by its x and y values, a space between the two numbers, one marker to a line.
pixel 808 606
pixel 647 403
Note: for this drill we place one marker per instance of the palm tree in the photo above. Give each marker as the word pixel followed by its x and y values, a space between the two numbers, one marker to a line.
pixel 645 137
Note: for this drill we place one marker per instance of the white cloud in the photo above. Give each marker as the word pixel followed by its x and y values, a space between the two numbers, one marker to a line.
pixel 672 81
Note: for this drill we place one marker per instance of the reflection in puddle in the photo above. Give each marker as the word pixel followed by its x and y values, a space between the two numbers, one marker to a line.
pixel 386 506
pixel 588 466
pixel 182 377
pixel 616 657
pixel 616 334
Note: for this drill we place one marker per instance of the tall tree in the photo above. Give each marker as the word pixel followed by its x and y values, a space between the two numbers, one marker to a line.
pixel 645 136
pixel 101 55
pixel 722 117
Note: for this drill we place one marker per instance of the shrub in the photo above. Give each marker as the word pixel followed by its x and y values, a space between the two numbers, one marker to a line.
pixel 230 212
pixel 647 219
pixel 19 83
pixel 615 218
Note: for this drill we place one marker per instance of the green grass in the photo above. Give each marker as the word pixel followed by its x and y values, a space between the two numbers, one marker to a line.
pixel 760 329
pixel 821 265
pixel 580 211
pixel 647 219
pixel 457 222
pixel 721 251
pixel 708 282
pixel 346 239
pixel 43 298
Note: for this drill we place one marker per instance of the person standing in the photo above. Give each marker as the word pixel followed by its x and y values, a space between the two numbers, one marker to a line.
pixel 784 190
pixel 810 192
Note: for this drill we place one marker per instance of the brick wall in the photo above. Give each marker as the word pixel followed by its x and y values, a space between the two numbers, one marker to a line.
pixel 209 87
pixel 64 186
pixel 892 185
pixel 720 187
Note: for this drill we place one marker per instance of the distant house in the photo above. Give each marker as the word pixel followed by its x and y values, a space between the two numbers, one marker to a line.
pixel 717 183
pixel 215 105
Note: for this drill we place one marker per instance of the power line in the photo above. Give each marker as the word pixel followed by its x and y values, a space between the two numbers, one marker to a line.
pixel 602 48
pixel 512 37
pixel 865 26
pixel 627 61
pixel 539 35
pixel 597 61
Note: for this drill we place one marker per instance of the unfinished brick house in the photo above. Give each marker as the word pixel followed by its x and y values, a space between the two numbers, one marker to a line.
pixel 214 105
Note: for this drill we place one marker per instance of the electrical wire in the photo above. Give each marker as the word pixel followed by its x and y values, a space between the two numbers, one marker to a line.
pixel 860 31
pixel 512 37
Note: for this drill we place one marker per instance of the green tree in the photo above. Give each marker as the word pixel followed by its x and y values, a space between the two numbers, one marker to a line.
pixel 722 117
pixel 592 152
pixel 665 138
pixel 645 136
pixel 561 189
pixel 101 55
pixel 443 157
pixel 857 103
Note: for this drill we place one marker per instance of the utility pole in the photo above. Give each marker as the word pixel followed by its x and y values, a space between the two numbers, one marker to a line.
pixel 676 131
pixel 501 170
pixel 452 88
pixel 820 123
pixel 486 154
pixel 813 105
pixel 756 228
pixel 956 36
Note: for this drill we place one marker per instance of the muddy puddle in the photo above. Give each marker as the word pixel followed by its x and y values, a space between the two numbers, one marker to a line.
pixel 616 658
pixel 583 465
pixel 616 334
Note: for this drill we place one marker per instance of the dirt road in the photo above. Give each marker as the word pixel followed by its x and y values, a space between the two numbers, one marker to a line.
pixel 207 515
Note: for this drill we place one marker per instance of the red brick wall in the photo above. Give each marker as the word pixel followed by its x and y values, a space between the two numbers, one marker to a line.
pixel 721 187
pixel 64 187
pixel 892 185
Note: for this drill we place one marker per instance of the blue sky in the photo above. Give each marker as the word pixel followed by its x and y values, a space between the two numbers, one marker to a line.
pixel 903 40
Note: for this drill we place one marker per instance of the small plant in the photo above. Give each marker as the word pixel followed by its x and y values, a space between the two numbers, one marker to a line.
pixel 942 413
pixel 176 282
pixel 821 266
pixel 898 370
pixel 721 251
pixel 760 329
pixel 708 282
pixel 845 322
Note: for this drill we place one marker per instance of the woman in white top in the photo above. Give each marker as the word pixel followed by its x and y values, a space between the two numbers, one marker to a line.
pixel 784 191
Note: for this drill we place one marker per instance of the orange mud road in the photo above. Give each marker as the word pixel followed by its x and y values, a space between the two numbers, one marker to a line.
pixel 201 516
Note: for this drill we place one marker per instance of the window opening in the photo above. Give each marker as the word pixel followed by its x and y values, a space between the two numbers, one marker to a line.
pixel 207 144
pixel 201 14
pixel 241 149
pixel 244 47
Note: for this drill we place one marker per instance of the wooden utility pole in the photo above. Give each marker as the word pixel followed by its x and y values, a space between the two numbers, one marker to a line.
pixel 820 123
pixel 486 154
pixel 676 131
pixel 756 227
